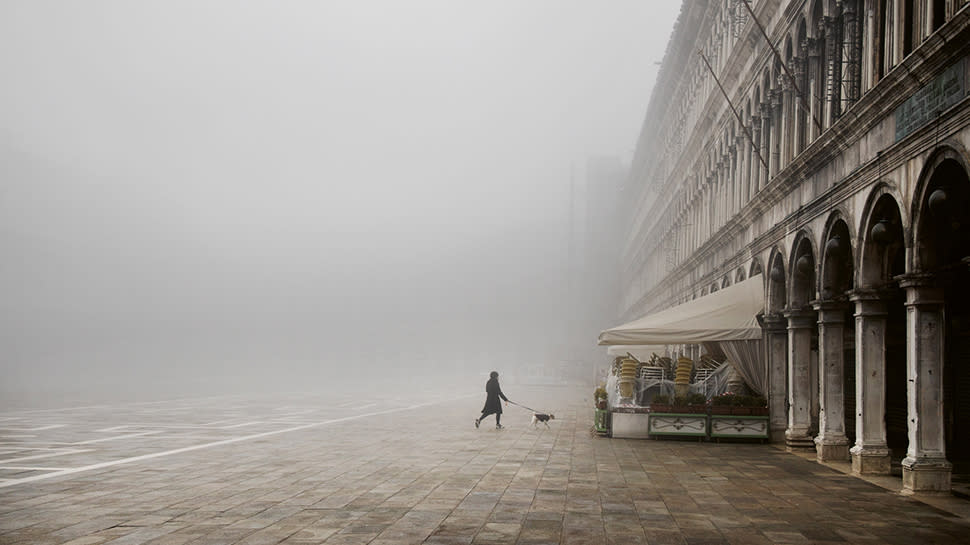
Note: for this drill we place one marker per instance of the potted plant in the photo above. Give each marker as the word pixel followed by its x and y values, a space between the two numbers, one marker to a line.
pixel 723 403
pixel 753 405
pixel 660 404
pixel 739 416
pixel 599 395
pixel 684 416
pixel 601 415
pixel 696 403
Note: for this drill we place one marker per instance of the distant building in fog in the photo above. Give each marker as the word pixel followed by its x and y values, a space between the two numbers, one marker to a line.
pixel 596 237
pixel 838 167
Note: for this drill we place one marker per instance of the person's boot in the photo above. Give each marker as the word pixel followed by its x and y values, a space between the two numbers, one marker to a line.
pixel 477 422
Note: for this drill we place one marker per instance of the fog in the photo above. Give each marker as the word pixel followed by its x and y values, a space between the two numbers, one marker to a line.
pixel 222 196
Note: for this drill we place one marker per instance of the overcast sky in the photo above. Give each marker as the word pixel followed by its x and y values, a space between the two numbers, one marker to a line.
pixel 212 188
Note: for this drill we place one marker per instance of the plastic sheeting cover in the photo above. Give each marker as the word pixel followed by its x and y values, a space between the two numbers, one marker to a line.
pixel 641 352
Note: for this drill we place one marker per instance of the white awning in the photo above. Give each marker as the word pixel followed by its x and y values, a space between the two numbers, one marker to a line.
pixel 641 352
pixel 725 315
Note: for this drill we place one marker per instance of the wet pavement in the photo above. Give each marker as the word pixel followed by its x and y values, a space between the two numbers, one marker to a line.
pixel 347 470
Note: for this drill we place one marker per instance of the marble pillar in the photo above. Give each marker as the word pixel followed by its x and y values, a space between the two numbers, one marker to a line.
pixel 799 432
pixel 831 442
pixel 776 339
pixel 870 454
pixel 925 468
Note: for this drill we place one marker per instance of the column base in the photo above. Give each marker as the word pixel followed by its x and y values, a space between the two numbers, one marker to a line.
pixel 799 440
pixel 926 475
pixel 832 448
pixel 870 461
pixel 777 435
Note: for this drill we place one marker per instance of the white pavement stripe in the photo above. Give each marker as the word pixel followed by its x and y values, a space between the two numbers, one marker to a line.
pixel 243 425
pixel 127 436
pixel 23 468
pixel 61 409
pixel 42 428
pixel 103 465
pixel 48 455
pixel 112 429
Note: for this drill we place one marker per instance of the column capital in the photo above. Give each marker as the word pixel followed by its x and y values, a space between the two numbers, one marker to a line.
pixel 921 289
pixel 870 294
pixel 800 318
pixel 776 98
pixel 775 322
pixel 916 280
pixel 830 311
pixel 870 302
pixel 811 45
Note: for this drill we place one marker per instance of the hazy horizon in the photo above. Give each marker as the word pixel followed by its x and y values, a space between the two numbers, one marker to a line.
pixel 206 194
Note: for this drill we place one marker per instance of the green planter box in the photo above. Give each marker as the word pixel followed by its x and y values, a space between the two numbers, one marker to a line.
pixel 680 424
pixel 739 427
pixel 601 421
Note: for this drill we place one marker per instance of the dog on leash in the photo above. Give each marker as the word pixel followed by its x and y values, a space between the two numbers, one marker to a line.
pixel 541 417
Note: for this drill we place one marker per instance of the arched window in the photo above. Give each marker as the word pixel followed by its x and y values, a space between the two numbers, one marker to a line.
pixel 909 26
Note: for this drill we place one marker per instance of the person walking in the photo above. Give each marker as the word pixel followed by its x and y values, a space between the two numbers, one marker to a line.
pixel 492 404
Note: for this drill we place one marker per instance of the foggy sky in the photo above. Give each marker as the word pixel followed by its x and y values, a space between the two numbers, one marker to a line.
pixel 219 189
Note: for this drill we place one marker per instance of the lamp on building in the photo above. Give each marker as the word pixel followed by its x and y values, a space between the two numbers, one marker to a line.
pixel 777 274
pixel 881 232
pixel 804 265
pixel 937 202
pixel 834 246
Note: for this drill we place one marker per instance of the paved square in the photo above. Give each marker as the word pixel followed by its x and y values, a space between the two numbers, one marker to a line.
pixel 351 470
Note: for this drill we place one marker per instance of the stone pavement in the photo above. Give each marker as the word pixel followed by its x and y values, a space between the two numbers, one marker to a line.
pixel 340 471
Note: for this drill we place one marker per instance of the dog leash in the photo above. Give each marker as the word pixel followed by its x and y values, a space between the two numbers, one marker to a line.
pixel 523 406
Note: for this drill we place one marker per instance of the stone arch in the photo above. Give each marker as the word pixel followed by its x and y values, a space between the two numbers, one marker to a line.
pixel 802 271
pixel 880 251
pixel 725 281
pixel 939 209
pixel 814 15
pixel 739 275
pixel 837 276
pixel 755 267
pixel 777 283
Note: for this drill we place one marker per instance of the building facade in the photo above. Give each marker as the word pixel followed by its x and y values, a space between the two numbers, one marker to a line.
pixel 823 144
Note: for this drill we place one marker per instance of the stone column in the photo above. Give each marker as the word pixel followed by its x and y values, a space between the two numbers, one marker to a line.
pixel 870 455
pixel 797 111
pixel 776 349
pixel 740 176
pixel 777 114
pixel 756 165
pixel 831 442
pixel 925 468
pixel 766 123
pixel 799 432
pixel 787 123
pixel 815 90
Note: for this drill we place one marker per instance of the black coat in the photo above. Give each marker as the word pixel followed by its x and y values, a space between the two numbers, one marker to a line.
pixel 493 391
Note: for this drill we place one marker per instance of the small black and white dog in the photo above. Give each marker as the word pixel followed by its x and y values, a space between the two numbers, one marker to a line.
pixel 541 417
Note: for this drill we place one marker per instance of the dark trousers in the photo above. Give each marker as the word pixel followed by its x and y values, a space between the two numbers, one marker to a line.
pixel 498 417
